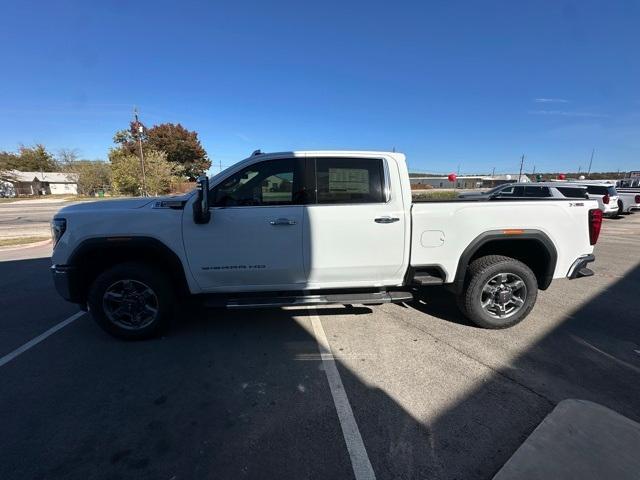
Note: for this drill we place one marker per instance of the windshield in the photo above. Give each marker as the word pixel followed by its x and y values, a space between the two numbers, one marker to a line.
pixel 602 190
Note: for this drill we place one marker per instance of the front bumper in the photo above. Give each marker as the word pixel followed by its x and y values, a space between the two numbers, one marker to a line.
pixel 67 283
pixel 579 267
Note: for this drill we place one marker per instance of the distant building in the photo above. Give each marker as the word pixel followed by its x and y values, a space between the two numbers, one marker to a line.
pixel 466 181
pixel 39 183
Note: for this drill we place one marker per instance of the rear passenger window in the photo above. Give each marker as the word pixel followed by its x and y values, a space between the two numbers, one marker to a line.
pixel 349 180
pixel 597 190
pixel 537 192
pixel 569 192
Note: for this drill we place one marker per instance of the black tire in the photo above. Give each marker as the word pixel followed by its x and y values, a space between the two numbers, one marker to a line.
pixel 620 208
pixel 139 274
pixel 480 272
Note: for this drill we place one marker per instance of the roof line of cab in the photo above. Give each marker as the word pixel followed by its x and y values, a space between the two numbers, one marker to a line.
pixel 328 153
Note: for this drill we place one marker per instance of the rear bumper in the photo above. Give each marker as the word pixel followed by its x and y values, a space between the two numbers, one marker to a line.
pixel 579 267
pixel 67 283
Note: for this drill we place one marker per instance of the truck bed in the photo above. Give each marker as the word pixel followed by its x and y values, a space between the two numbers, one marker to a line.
pixel 442 230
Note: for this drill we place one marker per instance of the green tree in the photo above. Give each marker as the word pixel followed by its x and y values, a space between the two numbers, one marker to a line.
pixel 93 176
pixel 36 159
pixel 29 159
pixel 126 171
pixel 9 161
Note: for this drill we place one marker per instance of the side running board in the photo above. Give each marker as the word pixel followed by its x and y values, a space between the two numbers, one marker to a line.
pixel 310 300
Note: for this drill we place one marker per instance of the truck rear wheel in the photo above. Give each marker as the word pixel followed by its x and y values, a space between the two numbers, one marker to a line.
pixel 131 301
pixel 499 292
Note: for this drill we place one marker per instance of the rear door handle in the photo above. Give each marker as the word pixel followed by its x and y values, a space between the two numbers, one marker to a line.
pixel 387 219
pixel 282 221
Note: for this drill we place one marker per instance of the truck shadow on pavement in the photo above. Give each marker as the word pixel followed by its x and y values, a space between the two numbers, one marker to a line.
pixel 243 394
pixel 592 355
pixel 439 303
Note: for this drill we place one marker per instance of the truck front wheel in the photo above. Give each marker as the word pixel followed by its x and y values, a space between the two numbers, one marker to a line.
pixel 131 301
pixel 499 292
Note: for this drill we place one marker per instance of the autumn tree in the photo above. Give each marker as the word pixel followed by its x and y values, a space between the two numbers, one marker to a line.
pixel 182 146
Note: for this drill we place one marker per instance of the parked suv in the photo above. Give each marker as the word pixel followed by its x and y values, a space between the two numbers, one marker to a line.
pixel 605 194
pixel 530 190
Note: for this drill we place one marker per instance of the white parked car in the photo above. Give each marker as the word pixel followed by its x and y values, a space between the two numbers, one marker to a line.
pixel 309 228
pixel 606 196
pixel 530 190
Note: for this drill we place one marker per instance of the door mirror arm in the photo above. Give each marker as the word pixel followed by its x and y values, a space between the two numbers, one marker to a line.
pixel 201 213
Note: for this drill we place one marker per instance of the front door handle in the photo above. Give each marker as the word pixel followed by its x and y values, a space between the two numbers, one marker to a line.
pixel 387 219
pixel 282 221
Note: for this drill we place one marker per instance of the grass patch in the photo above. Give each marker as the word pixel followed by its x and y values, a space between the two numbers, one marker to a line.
pixel 10 242
pixel 434 194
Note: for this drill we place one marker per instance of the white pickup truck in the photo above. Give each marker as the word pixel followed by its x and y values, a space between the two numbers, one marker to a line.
pixel 628 199
pixel 309 228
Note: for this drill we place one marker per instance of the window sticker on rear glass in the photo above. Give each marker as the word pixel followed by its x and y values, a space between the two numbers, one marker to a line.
pixel 349 180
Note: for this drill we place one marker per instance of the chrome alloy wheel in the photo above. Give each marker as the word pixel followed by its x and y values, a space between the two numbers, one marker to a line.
pixel 130 304
pixel 503 295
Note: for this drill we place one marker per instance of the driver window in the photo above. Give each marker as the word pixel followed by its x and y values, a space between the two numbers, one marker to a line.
pixel 266 183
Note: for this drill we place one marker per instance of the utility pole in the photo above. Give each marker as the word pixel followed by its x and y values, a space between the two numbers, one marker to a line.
pixel 521 164
pixel 590 162
pixel 139 130
pixel 493 172
pixel 220 165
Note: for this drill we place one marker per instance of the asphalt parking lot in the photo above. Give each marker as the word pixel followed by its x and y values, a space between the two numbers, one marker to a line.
pixel 248 394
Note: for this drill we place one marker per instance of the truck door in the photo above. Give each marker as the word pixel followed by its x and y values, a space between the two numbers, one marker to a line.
pixel 355 227
pixel 254 238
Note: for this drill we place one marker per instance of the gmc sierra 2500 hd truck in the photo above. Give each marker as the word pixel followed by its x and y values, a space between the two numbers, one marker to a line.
pixel 310 228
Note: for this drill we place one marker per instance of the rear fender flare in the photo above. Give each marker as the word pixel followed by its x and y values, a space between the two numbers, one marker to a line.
pixel 499 235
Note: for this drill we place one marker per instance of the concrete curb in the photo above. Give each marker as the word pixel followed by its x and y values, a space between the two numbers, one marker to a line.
pixel 25 246
pixel 578 439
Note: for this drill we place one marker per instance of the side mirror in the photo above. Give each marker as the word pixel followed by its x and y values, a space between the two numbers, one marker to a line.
pixel 201 213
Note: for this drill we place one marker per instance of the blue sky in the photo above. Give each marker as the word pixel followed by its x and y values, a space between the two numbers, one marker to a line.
pixel 449 83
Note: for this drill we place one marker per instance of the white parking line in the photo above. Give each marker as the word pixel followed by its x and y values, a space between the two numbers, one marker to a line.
pixel 32 343
pixel 360 463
